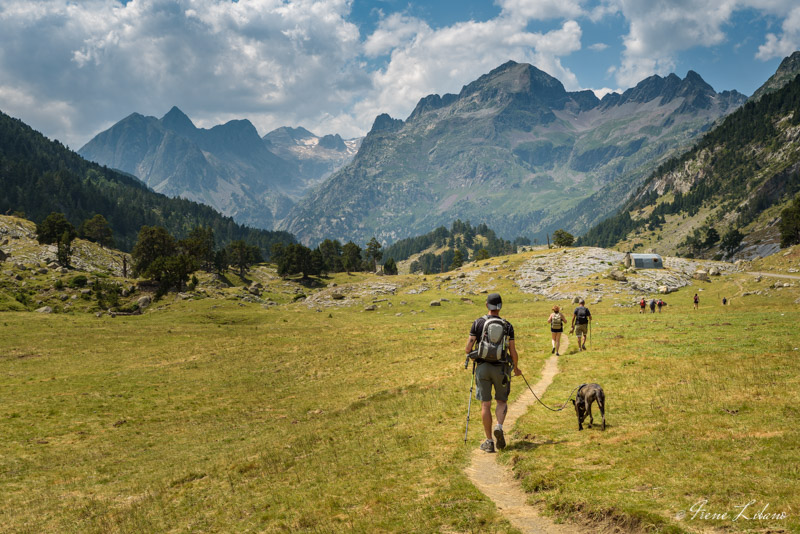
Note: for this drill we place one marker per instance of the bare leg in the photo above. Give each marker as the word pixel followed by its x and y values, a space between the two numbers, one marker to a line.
pixel 501 411
pixel 557 336
pixel 486 417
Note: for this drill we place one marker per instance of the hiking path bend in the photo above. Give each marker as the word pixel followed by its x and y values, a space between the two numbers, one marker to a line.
pixel 497 482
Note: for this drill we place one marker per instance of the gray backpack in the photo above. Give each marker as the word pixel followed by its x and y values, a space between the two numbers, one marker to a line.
pixel 492 345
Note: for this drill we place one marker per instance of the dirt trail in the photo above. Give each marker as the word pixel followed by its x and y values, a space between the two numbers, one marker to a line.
pixel 776 275
pixel 497 482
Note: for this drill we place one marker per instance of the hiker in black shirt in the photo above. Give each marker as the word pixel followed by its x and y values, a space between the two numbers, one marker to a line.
pixel 580 323
pixel 493 374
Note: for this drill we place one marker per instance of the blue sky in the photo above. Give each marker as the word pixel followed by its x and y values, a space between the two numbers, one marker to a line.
pixel 73 68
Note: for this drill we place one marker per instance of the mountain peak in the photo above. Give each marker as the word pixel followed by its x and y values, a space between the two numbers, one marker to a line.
pixel 695 80
pixel 787 70
pixel 513 77
pixel 384 122
pixel 177 121
pixel 288 135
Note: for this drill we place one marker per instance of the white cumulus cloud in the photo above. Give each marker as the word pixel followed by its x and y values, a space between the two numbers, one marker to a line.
pixel 272 61
pixel 787 42
pixel 443 60
pixel 660 31
pixel 542 9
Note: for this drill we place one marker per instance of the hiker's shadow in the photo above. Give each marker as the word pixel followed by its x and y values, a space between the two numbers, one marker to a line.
pixel 526 445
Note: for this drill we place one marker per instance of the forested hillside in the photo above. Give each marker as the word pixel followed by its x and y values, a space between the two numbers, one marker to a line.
pixel 461 243
pixel 39 176
pixel 732 184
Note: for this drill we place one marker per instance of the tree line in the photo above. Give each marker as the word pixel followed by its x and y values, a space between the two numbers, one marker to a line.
pixel 157 255
pixel 330 256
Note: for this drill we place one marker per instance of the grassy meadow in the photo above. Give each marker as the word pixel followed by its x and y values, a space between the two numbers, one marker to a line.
pixel 214 415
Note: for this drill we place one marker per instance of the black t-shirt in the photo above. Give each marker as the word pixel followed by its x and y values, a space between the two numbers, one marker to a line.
pixel 477 328
pixel 582 315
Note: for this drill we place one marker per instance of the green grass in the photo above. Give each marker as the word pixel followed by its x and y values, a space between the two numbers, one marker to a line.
pixel 700 406
pixel 211 416
pixel 217 416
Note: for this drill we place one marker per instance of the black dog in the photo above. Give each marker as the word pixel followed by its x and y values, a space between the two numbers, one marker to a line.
pixel 587 394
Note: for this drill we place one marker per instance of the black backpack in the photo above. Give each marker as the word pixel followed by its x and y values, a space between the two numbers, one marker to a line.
pixel 492 344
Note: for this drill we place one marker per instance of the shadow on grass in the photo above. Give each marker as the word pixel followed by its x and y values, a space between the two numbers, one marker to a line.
pixel 225 280
pixel 526 445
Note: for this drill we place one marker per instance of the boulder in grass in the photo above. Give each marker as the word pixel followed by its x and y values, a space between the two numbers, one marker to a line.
pixel 713 271
pixel 436 303
pixel 44 309
pixel 701 275
pixel 618 276
pixel 371 307
pixel 144 301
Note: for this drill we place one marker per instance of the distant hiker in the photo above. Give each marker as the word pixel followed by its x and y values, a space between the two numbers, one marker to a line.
pixel 724 301
pixel 659 304
pixel 495 338
pixel 580 323
pixel 696 301
pixel 556 321
pixel 652 305
pixel 642 304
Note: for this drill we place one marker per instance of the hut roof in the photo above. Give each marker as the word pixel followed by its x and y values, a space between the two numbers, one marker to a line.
pixel 645 256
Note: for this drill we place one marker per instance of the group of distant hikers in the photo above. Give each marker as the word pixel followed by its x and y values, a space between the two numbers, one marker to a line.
pixel 491 347
pixel 654 303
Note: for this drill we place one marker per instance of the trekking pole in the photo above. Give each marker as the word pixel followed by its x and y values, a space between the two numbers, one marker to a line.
pixel 469 405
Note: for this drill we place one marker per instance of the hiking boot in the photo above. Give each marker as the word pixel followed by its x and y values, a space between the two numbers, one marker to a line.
pixel 499 438
pixel 553 351
pixel 487 446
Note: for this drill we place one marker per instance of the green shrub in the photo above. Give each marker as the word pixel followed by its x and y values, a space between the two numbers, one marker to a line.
pixel 59 284
pixel 78 281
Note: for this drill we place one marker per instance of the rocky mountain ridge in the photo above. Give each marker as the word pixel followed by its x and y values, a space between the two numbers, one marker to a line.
pixel 229 167
pixel 513 149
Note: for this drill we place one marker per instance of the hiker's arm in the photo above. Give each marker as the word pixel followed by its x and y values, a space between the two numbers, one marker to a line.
pixel 512 349
pixel 550 318
pixel 470 343
pixel 574 315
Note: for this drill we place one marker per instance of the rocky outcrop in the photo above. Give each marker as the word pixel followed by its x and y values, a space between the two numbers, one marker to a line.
pixel 555 275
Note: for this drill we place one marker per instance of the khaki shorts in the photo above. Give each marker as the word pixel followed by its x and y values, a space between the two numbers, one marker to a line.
pixel 581 329
pixel 487 376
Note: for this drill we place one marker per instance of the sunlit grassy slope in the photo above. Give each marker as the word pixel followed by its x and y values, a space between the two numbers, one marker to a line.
pixel 216 415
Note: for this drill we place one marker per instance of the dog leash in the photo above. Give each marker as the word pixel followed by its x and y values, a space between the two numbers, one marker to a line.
pixel 540 400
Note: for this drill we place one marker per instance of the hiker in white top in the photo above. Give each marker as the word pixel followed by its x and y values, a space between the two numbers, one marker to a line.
pixel 556 321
